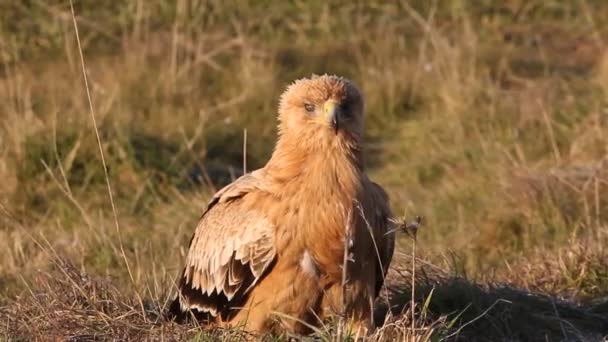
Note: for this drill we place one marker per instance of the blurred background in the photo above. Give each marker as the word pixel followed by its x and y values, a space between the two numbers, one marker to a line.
pixel 487 118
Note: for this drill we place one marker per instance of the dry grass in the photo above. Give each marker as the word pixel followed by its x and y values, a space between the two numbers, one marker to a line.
pixel 68 304
pixel 488 119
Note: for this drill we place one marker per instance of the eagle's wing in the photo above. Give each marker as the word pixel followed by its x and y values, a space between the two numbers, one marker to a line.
pixel 231 249
pixel 384 232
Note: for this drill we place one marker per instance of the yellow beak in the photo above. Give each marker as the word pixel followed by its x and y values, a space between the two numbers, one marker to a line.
pixel 330 113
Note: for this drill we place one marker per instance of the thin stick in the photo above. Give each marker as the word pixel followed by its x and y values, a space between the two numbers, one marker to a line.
pixel 245 151
pixel 485 312
pixel 103 159
pixel 413 300
pixel 376 249
pixel 597 199
pixel 549 125
pixel 348 242
pixel 559 319
pixel 412 230
pixel 345 260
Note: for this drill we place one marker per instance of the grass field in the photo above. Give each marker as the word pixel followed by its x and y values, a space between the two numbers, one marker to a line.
pixel 487 118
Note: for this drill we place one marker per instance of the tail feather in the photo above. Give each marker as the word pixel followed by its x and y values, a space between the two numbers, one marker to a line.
pixel 192 304
pixel 175 312
pixel 206 308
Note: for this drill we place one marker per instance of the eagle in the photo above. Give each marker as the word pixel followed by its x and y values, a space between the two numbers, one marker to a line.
pixel 303 239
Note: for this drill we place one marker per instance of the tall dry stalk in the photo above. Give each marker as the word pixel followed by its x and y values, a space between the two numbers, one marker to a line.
pixel 412 230
pixel 348 243
pixel 103 159
pixel 245 151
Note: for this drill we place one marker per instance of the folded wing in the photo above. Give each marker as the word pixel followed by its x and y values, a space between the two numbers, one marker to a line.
pixel 232 248
pixel 384 232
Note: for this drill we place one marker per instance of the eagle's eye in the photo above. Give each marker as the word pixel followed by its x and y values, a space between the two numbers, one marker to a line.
pixel 309 107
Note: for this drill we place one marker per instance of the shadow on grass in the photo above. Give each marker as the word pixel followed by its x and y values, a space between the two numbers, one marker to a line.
pixel 495 312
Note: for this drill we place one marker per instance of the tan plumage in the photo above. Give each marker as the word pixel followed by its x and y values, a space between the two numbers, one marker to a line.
pixel 267 253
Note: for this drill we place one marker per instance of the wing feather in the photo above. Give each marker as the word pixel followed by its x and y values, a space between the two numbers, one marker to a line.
pixel 385 235
pixel 232 248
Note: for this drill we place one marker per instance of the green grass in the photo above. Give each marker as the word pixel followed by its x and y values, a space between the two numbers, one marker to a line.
pixel 488 119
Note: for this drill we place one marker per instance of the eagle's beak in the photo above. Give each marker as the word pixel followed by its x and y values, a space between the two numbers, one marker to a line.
pixel 331 113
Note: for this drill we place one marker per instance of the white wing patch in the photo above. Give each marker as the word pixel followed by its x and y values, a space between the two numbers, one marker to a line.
pixel 308 265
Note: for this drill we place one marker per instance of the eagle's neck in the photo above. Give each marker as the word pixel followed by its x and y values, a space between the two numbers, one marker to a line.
pixel 328 162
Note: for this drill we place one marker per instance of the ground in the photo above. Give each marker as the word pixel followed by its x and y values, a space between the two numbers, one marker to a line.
pixel 486 118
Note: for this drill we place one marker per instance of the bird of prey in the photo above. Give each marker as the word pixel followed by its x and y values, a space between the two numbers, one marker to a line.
pixel 305 237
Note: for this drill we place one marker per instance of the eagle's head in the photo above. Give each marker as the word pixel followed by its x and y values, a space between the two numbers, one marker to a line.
pixel 322 109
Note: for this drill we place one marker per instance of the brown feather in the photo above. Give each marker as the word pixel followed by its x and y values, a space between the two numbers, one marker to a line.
pixel 273 241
